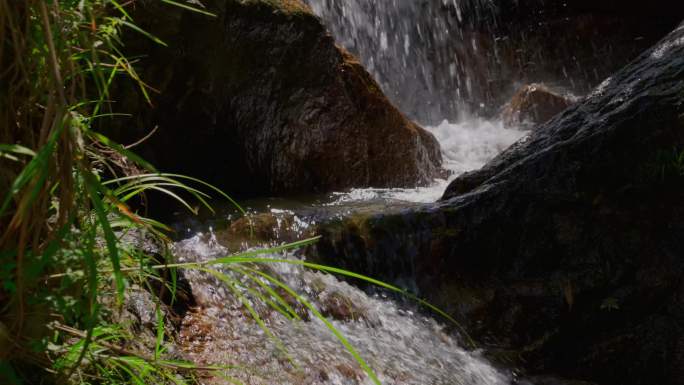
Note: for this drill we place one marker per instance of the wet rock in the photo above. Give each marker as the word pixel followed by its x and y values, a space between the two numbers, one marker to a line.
pixel 260 100
pixel 140 307
pixel 337 306
pixel 350 372
pixel 531 105
pixel 261 229
pixel 298 307
pixel 566 249
pixel 138 316
pixel 176 304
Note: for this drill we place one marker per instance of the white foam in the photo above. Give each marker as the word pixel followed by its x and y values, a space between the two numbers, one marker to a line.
pixel 401 346
pixel 466 146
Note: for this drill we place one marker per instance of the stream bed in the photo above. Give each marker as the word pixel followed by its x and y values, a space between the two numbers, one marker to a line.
pixel 400 342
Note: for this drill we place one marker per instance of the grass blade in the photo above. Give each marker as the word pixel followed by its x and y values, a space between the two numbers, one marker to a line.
pixel 94 187
pixel 185 6
pixel 350 348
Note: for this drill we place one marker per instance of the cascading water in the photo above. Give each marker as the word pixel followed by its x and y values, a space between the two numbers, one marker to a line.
pixel 466 146
pixel 430 62
pixel 451 59
pixel 415 62
pixel 401 346
pixel 420 52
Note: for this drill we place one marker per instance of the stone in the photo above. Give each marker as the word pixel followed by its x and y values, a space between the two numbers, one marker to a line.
pixel 531 105
pixel 261 229
pixel 337 306
pixel 259 100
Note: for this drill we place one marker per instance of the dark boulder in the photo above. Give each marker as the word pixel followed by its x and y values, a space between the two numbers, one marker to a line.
pixel 565 254
pixel 533 104
pixel 259 100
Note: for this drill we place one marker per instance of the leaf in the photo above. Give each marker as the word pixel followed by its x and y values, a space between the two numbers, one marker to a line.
pixel 16 149
pixel 160 333
pixel 93 187
pixel 185 6
pixel 121 150
pixel 38 164
pixel 143 32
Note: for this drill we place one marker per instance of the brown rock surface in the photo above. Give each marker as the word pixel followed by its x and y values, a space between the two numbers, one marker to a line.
pixel 260 100
pixel 533 104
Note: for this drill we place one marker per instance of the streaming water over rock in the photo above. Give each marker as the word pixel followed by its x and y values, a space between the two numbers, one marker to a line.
pixel 416 50
pixel 401 345
pixel 434 59
pixel 466 146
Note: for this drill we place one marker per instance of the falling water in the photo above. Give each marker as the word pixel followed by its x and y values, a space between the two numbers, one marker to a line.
pixel 430 67
pixel 466 146
pixel 450 59
pixel 420 51
pixel 429 59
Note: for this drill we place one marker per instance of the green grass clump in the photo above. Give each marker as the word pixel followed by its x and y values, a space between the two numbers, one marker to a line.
pixel 64 196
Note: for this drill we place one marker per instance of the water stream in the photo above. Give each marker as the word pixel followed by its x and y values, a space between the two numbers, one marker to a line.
pixel 402 345
pixel 422 52
pixel 466 146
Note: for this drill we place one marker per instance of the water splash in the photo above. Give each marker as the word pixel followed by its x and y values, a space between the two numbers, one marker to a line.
pixel 401 346
pixel 466 146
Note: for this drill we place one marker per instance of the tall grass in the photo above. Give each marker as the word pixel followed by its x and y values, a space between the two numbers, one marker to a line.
pixel 65 189
pixel 64 215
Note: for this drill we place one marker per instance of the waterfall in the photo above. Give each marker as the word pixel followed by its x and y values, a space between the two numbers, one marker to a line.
pixel 454 59
pixel 420 51
pixel 433 61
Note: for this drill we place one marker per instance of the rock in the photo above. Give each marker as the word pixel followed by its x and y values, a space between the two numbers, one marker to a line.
pixel 566 249
pixel 337 306
pixel 260 100
pixel 139 307
pixel 533 104
pixel 139 318
pixel 262 229
pixel 176 303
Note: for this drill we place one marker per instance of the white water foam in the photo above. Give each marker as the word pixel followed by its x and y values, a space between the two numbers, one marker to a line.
pixel 466 146
pixel 401 346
